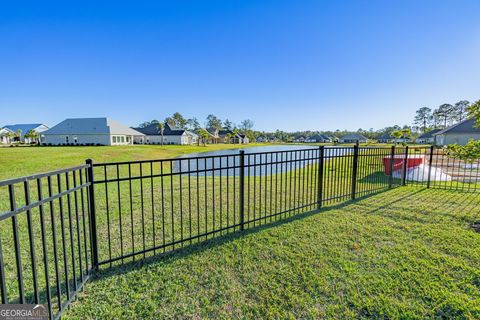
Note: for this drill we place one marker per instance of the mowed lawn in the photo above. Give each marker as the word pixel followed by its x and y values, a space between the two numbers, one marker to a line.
pixel 404 253
pixel 20 161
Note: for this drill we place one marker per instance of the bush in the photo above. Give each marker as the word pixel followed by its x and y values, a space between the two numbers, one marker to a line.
pixel 468 153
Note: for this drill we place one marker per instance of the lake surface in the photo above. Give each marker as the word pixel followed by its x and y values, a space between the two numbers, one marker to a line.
pixel 259 161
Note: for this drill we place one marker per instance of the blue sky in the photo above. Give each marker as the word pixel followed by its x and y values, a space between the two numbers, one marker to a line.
pixel 290 65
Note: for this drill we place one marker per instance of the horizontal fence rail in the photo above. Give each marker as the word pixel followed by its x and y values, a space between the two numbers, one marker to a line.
pixel 59 227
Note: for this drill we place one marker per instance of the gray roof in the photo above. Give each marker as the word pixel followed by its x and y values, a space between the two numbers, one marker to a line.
pixel 152 130
pixel 466 126
pixel 319 137
pixel 354 136
pixel 386 136
pixel 91 126
pixel 429 134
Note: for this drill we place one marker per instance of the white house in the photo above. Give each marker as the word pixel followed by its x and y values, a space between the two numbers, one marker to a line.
pixel 6 135
pixel 171 135
pixel 23 128
pixel 90 131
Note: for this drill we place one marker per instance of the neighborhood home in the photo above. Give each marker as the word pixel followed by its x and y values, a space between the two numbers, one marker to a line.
pixel 90 131
pixel 386 138
pixel 228 136
pixel 243 138
pixel 459 133
pixel 318 138
pixel 19 131
pixel 6 136
pixel 428 137
pixel 300 139
pixel 171 135
pixel 353 138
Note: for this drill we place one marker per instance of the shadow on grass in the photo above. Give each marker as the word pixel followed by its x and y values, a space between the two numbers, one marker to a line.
pixel 457 205
pixel 195 248
pixel 378 177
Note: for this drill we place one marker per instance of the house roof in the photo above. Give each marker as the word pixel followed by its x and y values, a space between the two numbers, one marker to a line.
pixel 6 130
pixel 466 126
pixel 354 136
pixel 152 130
pixel 91 126
pixel 223 132
pixel 386 136
pixel 429 134
pixel 319 137
pixel 25 127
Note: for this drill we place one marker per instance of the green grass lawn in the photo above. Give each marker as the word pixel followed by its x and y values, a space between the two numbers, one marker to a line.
pixel 20 161
pixel 404 253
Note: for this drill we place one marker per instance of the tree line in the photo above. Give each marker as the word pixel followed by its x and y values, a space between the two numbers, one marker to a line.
pixel 445 115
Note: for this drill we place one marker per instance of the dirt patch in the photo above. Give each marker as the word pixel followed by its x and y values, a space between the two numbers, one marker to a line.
pixel 476 226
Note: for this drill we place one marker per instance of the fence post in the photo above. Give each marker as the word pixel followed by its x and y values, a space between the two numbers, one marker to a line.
pixel 354 171
pixel 321 154
pixel 392 159
pixel 405 164
pixel 93 222
pixel 242 190
pixel 430 166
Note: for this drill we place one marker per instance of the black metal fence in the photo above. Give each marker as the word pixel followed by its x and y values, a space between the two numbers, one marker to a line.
pixel 69 222
pixel 45 239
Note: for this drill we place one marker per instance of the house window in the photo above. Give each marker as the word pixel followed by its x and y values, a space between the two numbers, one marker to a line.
pixel 75 139
pixel 66 139
pixel 122 139
pixel 114 139
pixel 128 139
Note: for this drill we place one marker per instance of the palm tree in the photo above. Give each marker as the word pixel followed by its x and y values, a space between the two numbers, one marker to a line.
pixel 228 137
pixel 204 134
pixel 18 135
pixel 397 134
pixel 32 135
pixel 161 128
pixel 405 132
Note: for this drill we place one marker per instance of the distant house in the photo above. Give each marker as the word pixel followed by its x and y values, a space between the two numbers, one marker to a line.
pixel 6 135
pixel 24 128
pixel 318 138
pixel 386 138
pixel 261 139
pixel 171 135
pixel 353 138
pixel 332 138
pixel 459 133
pixel 90 131
pixel 428 137
pixel 227 136
pixel 299 139
pixel 243 138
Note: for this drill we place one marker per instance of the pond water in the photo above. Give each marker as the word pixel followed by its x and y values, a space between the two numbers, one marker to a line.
pixel 258 161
